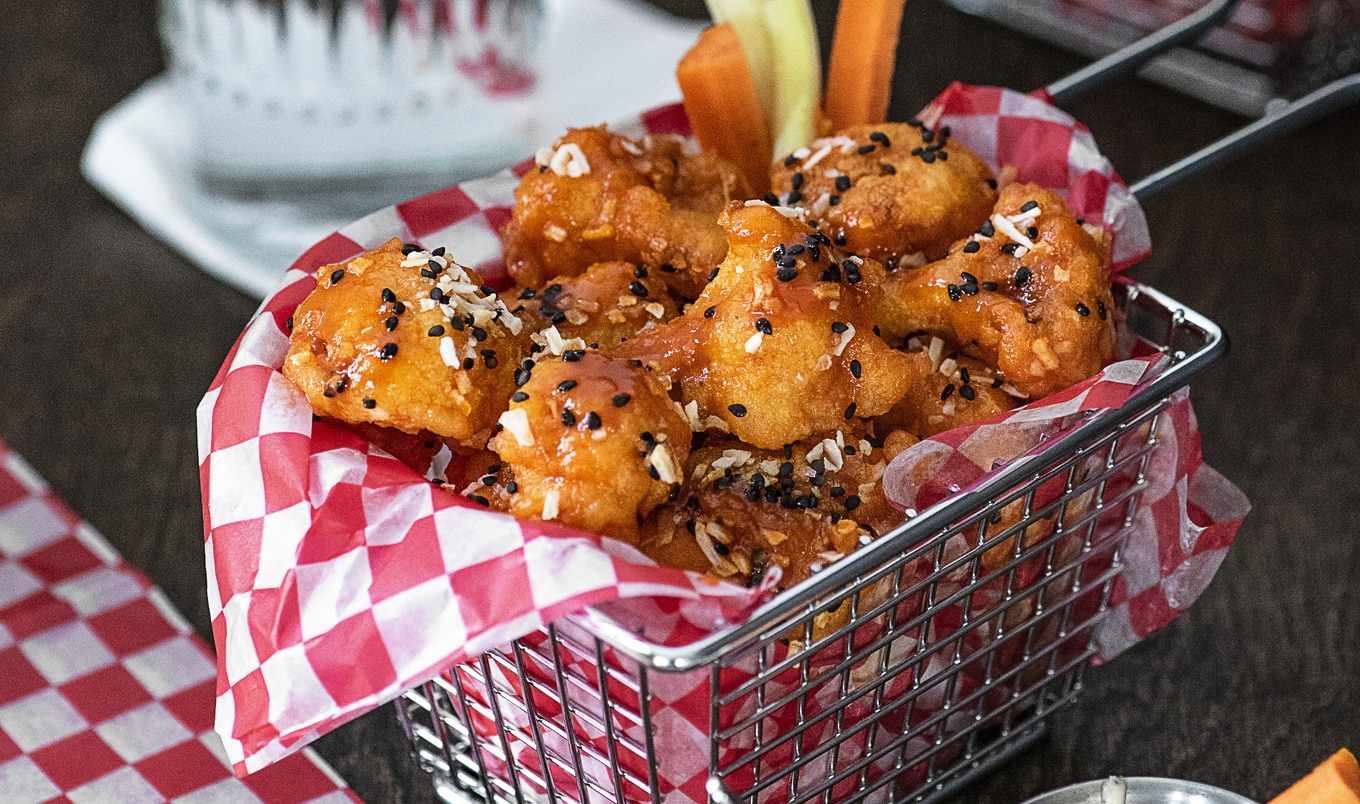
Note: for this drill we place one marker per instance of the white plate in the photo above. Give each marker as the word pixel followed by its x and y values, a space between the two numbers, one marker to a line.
pixel 604 59
pixel 1144 790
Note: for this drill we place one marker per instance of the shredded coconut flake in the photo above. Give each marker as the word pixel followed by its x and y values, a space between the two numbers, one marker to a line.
pixel 948 366
pixel 845 339
pixel 660 459
pixel 516 423
pixel 936 352
pixel 753 343
pixel 448 351
pixel 569 160
pixel 1004 226
pixel 550 505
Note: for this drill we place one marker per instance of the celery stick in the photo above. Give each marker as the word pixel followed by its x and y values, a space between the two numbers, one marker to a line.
pixel 797 72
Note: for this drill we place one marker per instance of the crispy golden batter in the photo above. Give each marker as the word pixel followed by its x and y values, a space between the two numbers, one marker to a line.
pixel 370 344
pixel 1040 316
pixel 743 509
pixel 780 344
pixel 945 392
pixel 608 304
pixel 593 442
pixel 889 191
pixel 601 197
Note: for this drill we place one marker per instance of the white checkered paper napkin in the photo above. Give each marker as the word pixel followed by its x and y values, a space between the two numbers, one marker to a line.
pixel 322 548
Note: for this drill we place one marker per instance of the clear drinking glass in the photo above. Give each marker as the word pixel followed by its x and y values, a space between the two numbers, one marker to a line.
pixel 370 100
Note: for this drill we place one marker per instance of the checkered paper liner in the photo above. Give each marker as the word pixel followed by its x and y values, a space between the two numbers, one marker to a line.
pixel 322 548
pixel 106 694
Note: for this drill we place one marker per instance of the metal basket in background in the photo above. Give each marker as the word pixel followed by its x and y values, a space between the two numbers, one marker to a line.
pixel 898 673
pixel 1267 53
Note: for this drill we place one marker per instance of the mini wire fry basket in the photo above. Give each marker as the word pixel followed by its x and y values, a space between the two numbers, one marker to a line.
pixel 899 673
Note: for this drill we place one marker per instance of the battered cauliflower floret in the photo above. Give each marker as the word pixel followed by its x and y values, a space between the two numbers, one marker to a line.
pixel 608 304
pixel 946 391
pixel 743 509
pixel 590 441
pixel 602 197
pixel 1028 294
pixel 780 345
pixel 407 341
pixel 893 192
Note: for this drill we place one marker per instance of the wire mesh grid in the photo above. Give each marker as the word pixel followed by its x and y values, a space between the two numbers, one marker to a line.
pixel 899 682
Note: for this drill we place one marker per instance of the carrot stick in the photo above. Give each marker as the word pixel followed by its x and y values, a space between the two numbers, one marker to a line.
pixel 723 106
pixel 863 52
pixel 1336 781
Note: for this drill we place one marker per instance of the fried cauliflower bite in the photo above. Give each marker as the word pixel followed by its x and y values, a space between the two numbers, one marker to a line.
pixel 945 392
pixel 780 344
pixel 590 441
pixel 602 197
pixel 608 304
pixel 893 192
pixel 743 509
pixel 1029 294
pixel 410 342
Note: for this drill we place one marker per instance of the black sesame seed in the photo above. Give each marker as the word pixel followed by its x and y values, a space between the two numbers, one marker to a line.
pixel 786 274
pixel 814 252
pixel 929 157
pixel 565 386
pixel 793 197
pixel 964 375
pixel 573 355
pixel 968 279
pixel 797 181
pixel 839 326
pixel 763 325
pixel 429 273
pixel 842 183
pixel 621 399
pixel 866 149
pixel 289 323
pixel 971 247
pixel 790 160
pixel 834 201
pixel 1022 275
pixel 771 199
pixel 512 487
pixel 1028 205
pixel 786 469
pixel 926 134
pixel 522 376
pixel 409 248
pixel 469 364
pixel 880 138
pixel 851 502
pixel 391 323
pixel 568 419
pixel 1083 309
pixel 488 480
pixel 855 369
pixel 1100 310
pixel 457 323
pixel 955 293
pixel 989 286
pixel 737 410
pixel 710 312
pixel 1009 248
pixel 637 289
pixel 788 452
pixel 518 396
pixel 640 272
pixel 593 420
pixel 666 268
pixel 342 383
pixel 653 473
pixel 713 274
pixel 991 183
pixel 436 330
pixel 337 275
pixel 388 352
pixel 548 311
pixel 388 296
pixel 1032 232
pixel 479 333
pixel 837 491
pixel 797 248
pixel 850 411
pixel 888 170
pixel 370 403
pixel 947 392
pixel 987 229
pixel 967 392
pixel 839 239
pixel 480 500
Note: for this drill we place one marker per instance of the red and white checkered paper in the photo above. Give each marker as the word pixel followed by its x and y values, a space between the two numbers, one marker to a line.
pixel 106 694
pixel 338 577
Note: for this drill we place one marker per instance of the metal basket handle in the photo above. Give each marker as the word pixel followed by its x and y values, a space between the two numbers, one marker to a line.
pixel 1190 28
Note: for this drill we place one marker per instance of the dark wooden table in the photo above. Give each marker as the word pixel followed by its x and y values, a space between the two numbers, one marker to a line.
pixel 108 339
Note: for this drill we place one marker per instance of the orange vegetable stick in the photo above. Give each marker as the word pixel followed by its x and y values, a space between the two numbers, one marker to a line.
pixel 863 52
pixel 1336 781
pixel 722 104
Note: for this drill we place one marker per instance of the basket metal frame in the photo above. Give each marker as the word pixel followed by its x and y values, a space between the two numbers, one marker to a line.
pixel 544 708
